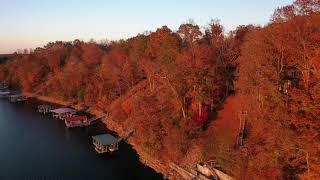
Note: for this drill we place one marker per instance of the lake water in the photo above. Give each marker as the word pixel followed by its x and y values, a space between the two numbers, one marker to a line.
pixel 34 146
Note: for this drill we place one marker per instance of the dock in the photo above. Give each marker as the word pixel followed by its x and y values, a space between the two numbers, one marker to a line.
pixel 127 136
pixel 81 121
pixel 105 143
pixel 17 98
pixel 96 118
pixel 30 95
pixel 62 113
pixel 4 85
pixel 76 121
pixel 4 94
pixel 44 109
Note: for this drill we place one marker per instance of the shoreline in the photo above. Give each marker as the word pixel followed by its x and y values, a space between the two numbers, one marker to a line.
pixel 113 126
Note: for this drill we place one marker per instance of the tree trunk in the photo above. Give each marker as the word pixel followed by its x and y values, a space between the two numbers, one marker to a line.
pixel 177 96
pixel 150 85
pixel 119 88
pixel 211 107
pixel 200 109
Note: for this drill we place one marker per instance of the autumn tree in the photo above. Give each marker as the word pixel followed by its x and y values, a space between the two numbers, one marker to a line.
pixel 290 42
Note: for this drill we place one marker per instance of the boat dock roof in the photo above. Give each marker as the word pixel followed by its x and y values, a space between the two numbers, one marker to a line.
pixel 4 92
pixel 45 106
pixel 75 118
pixel 63 110
pixel 105 139
pixel 16 95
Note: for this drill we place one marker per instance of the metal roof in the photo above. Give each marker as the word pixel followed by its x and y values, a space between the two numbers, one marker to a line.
pixel 63 110
pixel 105 139
pixel 16 95
pixel 4 93
pixel 44 106
pixel 75 118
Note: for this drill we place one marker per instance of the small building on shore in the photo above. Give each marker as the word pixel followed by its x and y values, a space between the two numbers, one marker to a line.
pixel 76 121
pixel 105 143
pixel 62 113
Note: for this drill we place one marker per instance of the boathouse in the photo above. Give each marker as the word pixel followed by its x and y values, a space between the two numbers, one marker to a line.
pixel 76 121
pixel 4 94
pixel 4 85
pixel 105 143
pixel 62 113
pixel 44 109
pixel 17 98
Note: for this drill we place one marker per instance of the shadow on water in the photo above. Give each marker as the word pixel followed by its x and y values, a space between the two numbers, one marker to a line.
pixel 34 146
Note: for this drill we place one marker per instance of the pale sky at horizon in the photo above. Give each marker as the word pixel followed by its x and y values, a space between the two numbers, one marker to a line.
pixel 33 23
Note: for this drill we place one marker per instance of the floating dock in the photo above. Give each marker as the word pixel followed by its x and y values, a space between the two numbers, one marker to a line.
pixel 105 143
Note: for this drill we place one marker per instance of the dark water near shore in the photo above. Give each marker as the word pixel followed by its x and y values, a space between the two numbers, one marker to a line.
pixel 33 146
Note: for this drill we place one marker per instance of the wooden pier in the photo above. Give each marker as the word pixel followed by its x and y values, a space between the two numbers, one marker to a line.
pixel 30 95
pixel 127 136
pixel 96 118
pixel 105 143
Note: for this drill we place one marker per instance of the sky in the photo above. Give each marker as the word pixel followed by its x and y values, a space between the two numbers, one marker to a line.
pixel 34 23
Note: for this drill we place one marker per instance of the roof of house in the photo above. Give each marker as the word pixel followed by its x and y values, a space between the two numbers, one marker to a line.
pixel 63 110
pixel 105 139
pixel 75 118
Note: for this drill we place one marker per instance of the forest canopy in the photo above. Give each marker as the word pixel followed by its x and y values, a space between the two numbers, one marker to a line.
pixel 169 87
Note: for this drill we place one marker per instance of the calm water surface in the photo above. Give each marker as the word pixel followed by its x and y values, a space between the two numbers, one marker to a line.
pixel 33 146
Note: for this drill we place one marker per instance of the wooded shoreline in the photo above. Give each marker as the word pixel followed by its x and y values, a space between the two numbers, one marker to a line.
pixel 171 88
pixel 146 160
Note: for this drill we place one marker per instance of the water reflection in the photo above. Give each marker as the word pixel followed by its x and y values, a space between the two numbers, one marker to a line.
pixel 35 146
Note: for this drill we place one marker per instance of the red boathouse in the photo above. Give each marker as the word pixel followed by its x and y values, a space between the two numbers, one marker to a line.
pixel 76 121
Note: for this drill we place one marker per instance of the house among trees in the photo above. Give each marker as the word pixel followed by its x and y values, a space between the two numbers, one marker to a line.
pixel 62 113
pixel 289 78
pixel 105 143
